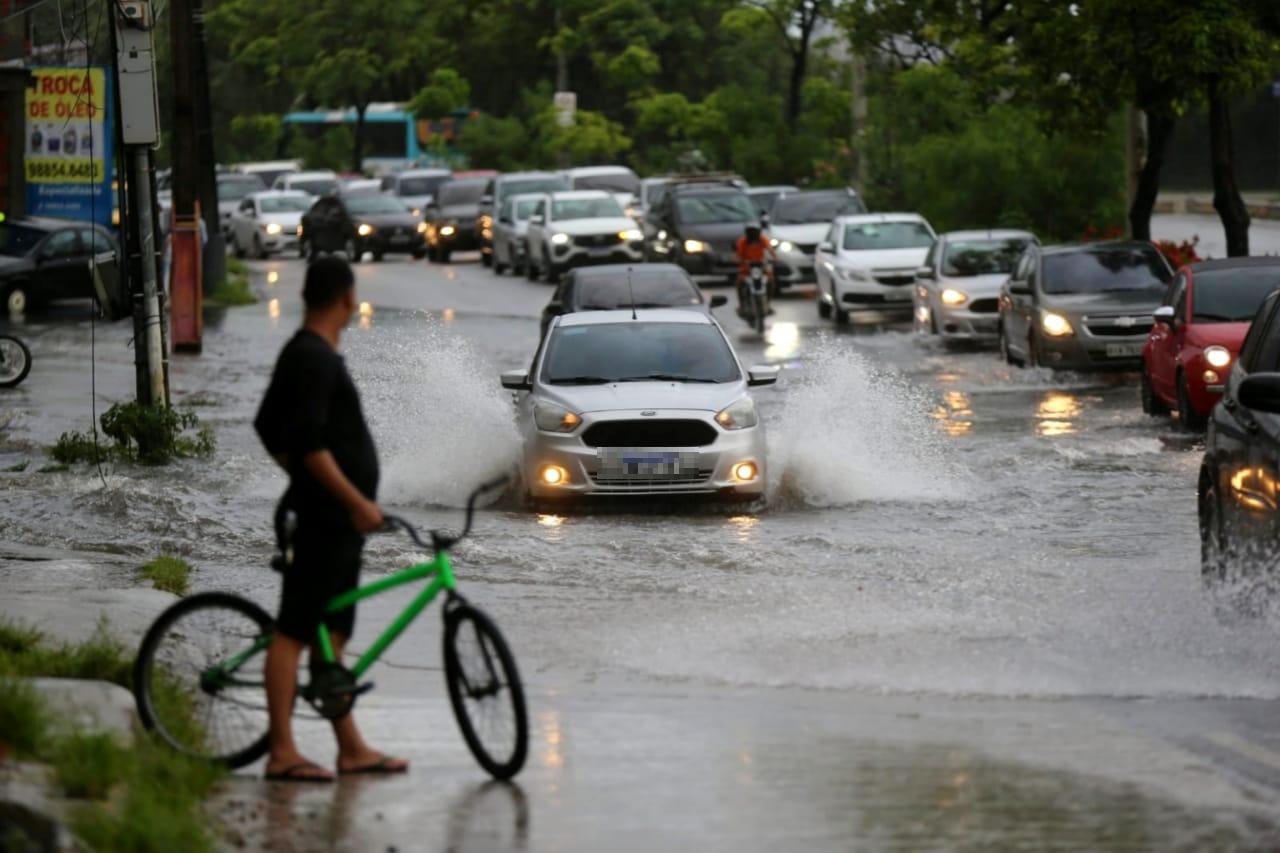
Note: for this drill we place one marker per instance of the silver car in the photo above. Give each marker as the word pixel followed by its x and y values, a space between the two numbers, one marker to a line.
pixel 648 402
pixel 957 294
pixel 509 249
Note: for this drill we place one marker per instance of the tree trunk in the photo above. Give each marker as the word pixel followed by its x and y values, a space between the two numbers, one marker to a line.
pixel 357 157
pixel 1226 194
pixel 1159 132
pixel 795 89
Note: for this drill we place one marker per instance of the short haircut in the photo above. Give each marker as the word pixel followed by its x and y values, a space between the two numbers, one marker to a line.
pixel 328 280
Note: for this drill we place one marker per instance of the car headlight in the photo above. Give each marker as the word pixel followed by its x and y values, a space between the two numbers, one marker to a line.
pixel 739 415
pixel 853 274
pixel 299 230
pixel 559 239
pixel 786 246
pixel 422 228
pixel 631 235
pixel 447 231
pixel 273 228
pixel 693 247
pixel 549 417
pixel 1217 356
pixel 416 211
pixel 1055 325
pixel 365 229
pixel 951 296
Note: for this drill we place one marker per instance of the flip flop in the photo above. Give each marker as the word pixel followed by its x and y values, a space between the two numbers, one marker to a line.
pixel 291 774
pixel 383 766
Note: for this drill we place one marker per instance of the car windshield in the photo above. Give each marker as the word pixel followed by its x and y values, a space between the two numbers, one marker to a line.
pixel 965 258
pixel 651 289
pixel 374 203
pixel 425 185
pixel 872 236
pixel 315 186
pixel 653 193
pixel 533 185
pixel 585 208
pixel 460 192
pixel 285 203
pixel 1233 295
pixel 237 188
pixel 525 208
pixel 17 240
pixel 617 182
pixel 764 200
pixel 798 208
pixel 1105 269
pixel 706 208
pixel 637 351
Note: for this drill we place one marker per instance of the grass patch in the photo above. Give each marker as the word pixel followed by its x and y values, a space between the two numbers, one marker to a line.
pixel 87 765
pixel 151 435
pixel 171 574
pixel 24 653
pixel 23 721
pixel 53 468
pixel 75 446
pixel 19 468
pixel 234 290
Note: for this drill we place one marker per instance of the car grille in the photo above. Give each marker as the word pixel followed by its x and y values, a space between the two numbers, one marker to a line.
pixel 674 433
pixel 640 482
pixel 807 248
pixel 876 299
pixel 984 306
pixel 1126 326
pixel 894 277
pixel 596 241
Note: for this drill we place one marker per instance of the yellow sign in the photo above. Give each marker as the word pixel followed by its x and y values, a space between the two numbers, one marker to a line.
pixel 66 133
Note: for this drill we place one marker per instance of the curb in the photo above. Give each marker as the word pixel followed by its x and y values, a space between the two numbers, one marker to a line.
pixel 1202 207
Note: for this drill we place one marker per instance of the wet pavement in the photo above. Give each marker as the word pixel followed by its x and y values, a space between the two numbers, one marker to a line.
pixel 968 615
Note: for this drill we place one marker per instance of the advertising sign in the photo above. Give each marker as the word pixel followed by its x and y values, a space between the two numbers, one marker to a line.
pixel 68 144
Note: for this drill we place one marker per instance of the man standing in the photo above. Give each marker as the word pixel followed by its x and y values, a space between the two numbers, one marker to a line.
pixel 311 423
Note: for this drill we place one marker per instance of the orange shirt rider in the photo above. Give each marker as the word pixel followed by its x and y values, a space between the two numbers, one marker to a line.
pixel 752 248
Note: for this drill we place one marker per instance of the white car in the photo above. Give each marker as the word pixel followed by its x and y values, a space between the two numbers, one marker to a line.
pixel 797 223
pixel 509 230
pixel 267 222
pixel 579 228
pixel 647 402
pixel 764 197
pixel 317 183
pixel 957 293
pixel 866 266
pixel 416 187
pixel 619 180
pixel 233 188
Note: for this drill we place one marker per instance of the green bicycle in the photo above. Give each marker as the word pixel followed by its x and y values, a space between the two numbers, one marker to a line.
pixel 198 676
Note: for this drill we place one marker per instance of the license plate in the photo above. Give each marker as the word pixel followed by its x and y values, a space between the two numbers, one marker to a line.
pixel 400 238
pixel 642 464
pixel 1124 350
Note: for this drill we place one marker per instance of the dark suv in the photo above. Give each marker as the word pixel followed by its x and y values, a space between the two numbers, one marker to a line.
pixel 696 225
pixel 355 224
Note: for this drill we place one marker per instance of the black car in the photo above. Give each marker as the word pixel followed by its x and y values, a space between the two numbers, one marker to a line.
pixel 1239 491
pixel 605 288
pixel 696 225
pixel 359 223
pixel 46 259
pixel 450 217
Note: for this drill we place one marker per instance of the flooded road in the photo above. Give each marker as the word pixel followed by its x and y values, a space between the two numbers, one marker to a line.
pixel 968 614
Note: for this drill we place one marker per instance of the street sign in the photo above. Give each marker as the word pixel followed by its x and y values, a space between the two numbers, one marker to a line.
pixel 68 144
pixel 566 104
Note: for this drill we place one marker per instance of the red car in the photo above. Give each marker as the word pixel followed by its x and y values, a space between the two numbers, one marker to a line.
pixel 1198 330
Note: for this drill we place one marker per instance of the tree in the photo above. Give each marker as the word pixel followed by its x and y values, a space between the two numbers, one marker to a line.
pixel 446 92
pixel 795 22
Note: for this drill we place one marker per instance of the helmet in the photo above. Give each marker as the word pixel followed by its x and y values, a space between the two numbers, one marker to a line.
pixel 753 233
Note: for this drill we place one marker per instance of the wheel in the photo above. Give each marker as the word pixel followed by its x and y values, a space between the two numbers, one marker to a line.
pixel 15 300
pixel 419 254
pixel 259 251
pixel 236 248
pixel 841 316
pixel 432 255
pixel 824 308
pixel 1005 352
pixel 1033 352
pixel 486 258
pixel 530 269
pixel 553 274
pixel 1191 419
pixel 485 691
pixel 377 257
pixel 1151 404
pixel 352 253
pixel 499 268
pixel 442 255
pixel 1213 567
pixel 757 308
pixel 15 361
pixel 185 689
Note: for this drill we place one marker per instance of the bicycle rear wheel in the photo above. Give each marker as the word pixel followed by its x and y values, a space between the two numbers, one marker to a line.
pixel 198 678
pixel 484 688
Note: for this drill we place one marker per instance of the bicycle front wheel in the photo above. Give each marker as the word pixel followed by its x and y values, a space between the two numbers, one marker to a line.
pixel 484 688
pixel 198 678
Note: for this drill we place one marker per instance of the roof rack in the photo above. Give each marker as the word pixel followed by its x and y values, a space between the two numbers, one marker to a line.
pixel 708 178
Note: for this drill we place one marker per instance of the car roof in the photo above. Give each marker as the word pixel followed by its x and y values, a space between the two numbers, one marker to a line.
pixel 1219 264
pixel 507 176
pixel 992 234
pixel 317 173
pixel 239 176
pixel 642 315
pixel 587 171
pixel 573 195
pixel 279 194
pixel 423 173
pixel 1072 248
pixel 863 218
pixel 525 197
pixel 605 270
pixel 775 188
pixel 705 187
pixel 49 223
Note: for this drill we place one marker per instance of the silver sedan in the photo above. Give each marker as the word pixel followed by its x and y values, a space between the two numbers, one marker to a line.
pixel 651 402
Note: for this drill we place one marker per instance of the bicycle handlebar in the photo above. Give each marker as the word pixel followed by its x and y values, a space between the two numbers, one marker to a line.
pixel 440 541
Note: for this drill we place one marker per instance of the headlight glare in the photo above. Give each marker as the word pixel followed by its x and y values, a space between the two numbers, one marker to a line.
pixel 631 235
pixel 1055 325
pixel 786 246
pixel 693 247
pixel 422 228
pixel 273 228
pixel 447 231
pixel 951 296
pixel 1217 356
pixel 550 417
pixel 365 229
pixel 559 239
pixel 739 415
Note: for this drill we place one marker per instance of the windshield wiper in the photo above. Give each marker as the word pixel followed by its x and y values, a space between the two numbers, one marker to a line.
pixel 580 380
pixel 666 377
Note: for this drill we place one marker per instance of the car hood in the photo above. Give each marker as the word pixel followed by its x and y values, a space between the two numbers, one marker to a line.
pixel 977 286
pixel 286 219
pixel 418 201
pixel 384 220
pixel 804 232
pixel 643 395
pixel 890 259
pixel 1229 335
pixel 1120 301
pixel 718 233
pixel 605 225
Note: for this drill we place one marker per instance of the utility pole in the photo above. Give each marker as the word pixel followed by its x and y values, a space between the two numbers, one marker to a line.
pixel 858 135
pixel 214 253
pixel 187 285
pixel 140 131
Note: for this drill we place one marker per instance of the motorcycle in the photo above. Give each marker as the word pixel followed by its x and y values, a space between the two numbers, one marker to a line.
pixel 754 296
pixel 15 361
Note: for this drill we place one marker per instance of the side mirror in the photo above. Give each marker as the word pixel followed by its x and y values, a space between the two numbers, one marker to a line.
pixel 826 246
pixel 719 300
pixel 763 374
pixel 927 274
pixel 1260 392
pixel 1164 314
pixel 486 200
pixel 1021 288
pixel 764 220
pixel 517 380
pixel 537 219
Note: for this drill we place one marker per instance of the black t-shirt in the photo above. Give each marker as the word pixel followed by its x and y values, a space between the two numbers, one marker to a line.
pixel 312 404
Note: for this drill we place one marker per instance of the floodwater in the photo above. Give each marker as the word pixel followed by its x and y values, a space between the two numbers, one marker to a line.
pixel 944 535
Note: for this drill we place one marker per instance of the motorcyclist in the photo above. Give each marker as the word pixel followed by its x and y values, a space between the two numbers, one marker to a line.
pixel 752 248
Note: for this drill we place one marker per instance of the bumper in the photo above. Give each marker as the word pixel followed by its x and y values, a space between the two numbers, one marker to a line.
pixel 795 268
pixel 959 324
pixel 1088 352
pixel 707 470
pixel 458 241
pixel 1203 395
pixel 707 266
pixel 389 244
pixel 285 241
pixel 578 256
pixel 871 302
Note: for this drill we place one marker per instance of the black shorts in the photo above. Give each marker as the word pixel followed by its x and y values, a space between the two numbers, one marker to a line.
pixel 326 563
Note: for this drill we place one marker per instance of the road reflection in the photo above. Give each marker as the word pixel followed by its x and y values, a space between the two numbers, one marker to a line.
pixel 955 413
pixel 744 526
pixel 782 341
pixel 1057 413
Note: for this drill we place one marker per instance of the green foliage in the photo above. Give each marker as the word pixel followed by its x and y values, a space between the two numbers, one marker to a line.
pixel 74 446
pixel 495 143
pixel 170 574
pixel 328 150
pixel 87 765
pixel 23 653
pixel 256 136
pixel 154 435
pixel 23 720
pixel 446 92
pixel 18 468
pixel 591 139
pixel 234 290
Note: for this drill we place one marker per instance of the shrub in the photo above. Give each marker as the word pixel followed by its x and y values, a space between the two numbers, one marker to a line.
pixel 87 764
pixel 171 574
pixel 23 721
pixel 153 435
pixel 75 446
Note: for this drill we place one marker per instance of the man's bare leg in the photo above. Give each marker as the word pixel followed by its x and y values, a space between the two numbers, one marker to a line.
pixel 281 675
pixel 353 752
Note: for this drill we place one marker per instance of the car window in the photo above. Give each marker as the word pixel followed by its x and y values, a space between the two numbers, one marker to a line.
pixel 1175 287
pixel 533 185
pixel 18 240
pixel 1106 269
pixel 422 184
pixel 585 208
pixel 505 214
pixel 664 289
pixel 96 241
pixel 62 244
pixel 1033 272
pixel 1233 295
pixel 871 236
pixel 234 189
pixel 636 351
pixel 705 208
pixel 525 209
pixel 459 193
pixel 621 182
pixel 1257 331
pixel 814 206
pixel 963 258
pixel 286 204
pixel 1024 266
pixel 1180 304
pixel 315 186
pixel 931 258
pixel 374 203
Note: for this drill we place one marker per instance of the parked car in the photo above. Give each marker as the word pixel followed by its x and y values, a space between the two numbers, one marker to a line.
pixel 764 197
pixel 579 228
pixel 268 170
pixel 957 295
pixel 866 266
pixel 450 218
pixel 267 222
pixel 1198 330
pixel 1239 483
pixel 496 192
pixel 615 286
pixel 416 187
pixel 509 229
pixel 366 222
pixel 1082 307
pixel 317 183
pixel 797 223
pixel 233 188
pixel 42 260
pixel 619 180
pixel 697 223
pixel 650 402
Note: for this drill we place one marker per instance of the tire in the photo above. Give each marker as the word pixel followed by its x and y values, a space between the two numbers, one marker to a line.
pixel 553 274
pixel 352 251
pixel 824 308
pixel 236 248
pixel 223 625
pixel 491 661
pixel 16 301
pixel 419 254
pixel 486 258
pixel 432 254
pixel 1191 420
pixel 1151 404
pixel 259 251
pixel 442 255
pixel 15 361
pixel 531 269
pixel 1213 568
pixel 304 249
pixel 1033 352
pixel 1007 353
